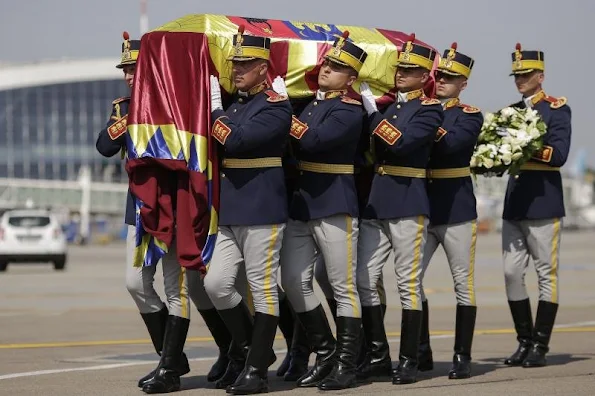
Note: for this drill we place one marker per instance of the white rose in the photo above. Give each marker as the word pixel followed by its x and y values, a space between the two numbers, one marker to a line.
pixel 506 159
pixel 489 118
pixel 532 115
pixel 508 112
pixel 534 133
pixel 523 138
pixel 517 149
pixel 473 162
pixel 488 163
pixel 516 156
pixel 497 162
pixel 505 149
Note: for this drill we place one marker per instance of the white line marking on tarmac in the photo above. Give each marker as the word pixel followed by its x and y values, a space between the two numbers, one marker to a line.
pixel 140 363
pixel 91 368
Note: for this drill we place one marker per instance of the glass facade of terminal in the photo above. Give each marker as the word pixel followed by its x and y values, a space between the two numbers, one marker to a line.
pixel 49 131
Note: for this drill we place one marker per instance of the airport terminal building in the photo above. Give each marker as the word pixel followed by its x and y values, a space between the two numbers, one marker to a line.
pixel 50 115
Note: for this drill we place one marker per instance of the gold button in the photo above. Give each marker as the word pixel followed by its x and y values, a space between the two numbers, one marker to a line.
pixel 234 110
pixel 222 174
pixel 394 117
pixel 241 100
pixel 310 113
pixel 315 103
pixel 398 106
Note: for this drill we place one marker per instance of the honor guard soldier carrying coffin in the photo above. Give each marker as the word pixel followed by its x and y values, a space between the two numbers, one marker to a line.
pixel 396 215
pixel 253 208
pixel 452 206
pixel 533 208
pixel 324 217
pixel 167 323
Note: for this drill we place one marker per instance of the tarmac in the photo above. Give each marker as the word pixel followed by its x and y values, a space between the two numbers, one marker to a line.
pixel 78 332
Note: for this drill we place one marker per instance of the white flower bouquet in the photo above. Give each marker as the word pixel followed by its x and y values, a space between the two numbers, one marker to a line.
pixel 508 139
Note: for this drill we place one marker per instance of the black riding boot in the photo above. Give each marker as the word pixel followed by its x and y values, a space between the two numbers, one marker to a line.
pixel 406 372
pixel 544 323
pixel 156 323
pixel 238 321
pixel 377 362
pixel 424 353
pixel 523 324
pixel 222 338
pixel 300 354
pixel 322 342
pixel 253 379
pixel 167 375
pixel 343 375
pixel 465 326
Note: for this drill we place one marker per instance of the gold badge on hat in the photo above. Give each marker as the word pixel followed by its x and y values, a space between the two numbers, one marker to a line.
pixel 408 47
pixel 238 51
pixel 340 43
pixel 126 56
pixel 518 57
pixel 450 56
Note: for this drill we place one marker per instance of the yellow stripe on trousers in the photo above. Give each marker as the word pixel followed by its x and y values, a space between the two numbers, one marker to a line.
pixel 471 275
pixel 183 287
pixel 554 261
pixel 416 261
pixel 350 281
pixel 268 272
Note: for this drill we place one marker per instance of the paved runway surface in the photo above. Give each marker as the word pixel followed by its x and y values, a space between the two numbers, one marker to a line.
pixel 78 332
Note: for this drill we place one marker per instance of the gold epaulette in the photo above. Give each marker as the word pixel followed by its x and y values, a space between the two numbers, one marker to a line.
pixel 120 100
pixel 274 97
pixel 469 109
pixel 347 99
pixel 556 103
pixel 428 102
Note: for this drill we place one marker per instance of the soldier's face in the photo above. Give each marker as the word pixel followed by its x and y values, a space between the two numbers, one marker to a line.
pixel 335 77
pixel 248 74
pixel 529 83
pixel 448 86
pixel 129 74
pixel 411 78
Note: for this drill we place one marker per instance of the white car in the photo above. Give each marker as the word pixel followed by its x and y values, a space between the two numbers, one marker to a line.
pixel 31 235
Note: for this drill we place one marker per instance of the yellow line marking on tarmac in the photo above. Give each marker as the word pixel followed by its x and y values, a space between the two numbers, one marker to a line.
pixel 576 329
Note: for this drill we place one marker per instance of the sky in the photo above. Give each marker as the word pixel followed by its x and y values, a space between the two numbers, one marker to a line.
pixel 34 30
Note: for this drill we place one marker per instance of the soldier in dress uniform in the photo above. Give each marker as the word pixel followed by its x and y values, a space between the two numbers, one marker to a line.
pixel 251 133
pixel 532 217
pixel 364 173
pixel 452 206
pixel 324 217
pixel 397 211
pixel 167 323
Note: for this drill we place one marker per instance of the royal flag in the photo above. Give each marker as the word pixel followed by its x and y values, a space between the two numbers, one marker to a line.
pixel 172 163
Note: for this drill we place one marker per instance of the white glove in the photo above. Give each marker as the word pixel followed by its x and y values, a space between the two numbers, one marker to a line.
pixel 501 131
pixel 279 86
pixel 368 98
pixel 216 103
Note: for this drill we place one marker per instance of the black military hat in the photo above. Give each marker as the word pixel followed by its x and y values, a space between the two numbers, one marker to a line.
pixel 246 47
pixel 416 55
pixel 526 61
pixel 130 50
pixel 346 53
pixel 455 63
